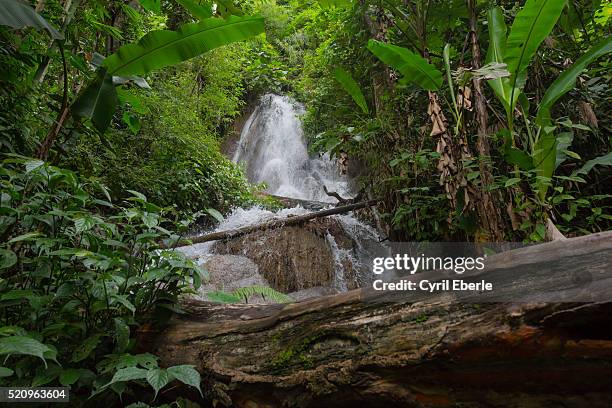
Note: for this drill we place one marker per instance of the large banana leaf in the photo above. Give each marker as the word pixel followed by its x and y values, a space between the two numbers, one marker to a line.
pixel 162 48
pixel 352 88
pixel 16 14
pixel 531 26
pixel 566 81
pixel 98 101
pixel 495 53
pixel 413 67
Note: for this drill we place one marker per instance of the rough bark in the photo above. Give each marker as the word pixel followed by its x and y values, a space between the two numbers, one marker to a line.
pixel 360 349
pixel 489 215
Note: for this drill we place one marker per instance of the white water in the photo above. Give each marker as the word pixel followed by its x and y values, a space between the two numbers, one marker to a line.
pixel 273 150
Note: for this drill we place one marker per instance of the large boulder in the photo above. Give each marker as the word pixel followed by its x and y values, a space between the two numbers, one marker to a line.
pixel 293 258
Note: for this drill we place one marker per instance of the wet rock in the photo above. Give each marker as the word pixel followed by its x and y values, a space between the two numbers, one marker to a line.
pixel 230 272
pixel 294 258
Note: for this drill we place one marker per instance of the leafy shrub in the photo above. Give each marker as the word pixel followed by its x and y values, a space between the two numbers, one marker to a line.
pixel 78 275
pixel 173 156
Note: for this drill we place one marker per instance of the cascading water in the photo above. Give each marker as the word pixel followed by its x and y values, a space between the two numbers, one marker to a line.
pixel 273 150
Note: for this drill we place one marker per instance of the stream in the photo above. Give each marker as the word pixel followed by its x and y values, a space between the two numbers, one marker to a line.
pixel 273 150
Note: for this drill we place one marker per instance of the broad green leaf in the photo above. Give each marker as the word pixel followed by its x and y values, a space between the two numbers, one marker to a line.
pixel 495 54
pixel 5 372
pixel 89 345
pixel 128 374
pixel 518 157
pixel 150 219
pixel 132 122
pixel 69 376
pixel 24 345
pixel 84 223
pixel 98 101
pixel 7 258
pixel 124 301
pixel 139 196
pixel 566 81
pixel 544 158
pixel 17 14
pixel 413 67
pixel 352 88
pixel 605 160
pixel 186 374
pixel 530 28
pixel 151 5
pixel 215 214
pixel 162 48
pixel 158 379
pixel 17 294
pixel 197 10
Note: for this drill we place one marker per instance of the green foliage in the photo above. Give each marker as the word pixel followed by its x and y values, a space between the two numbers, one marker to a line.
pixel 82 274
pixel 16 14
pixel 567 80
pixel 160 49
pixel 413 67
pixel 605 160
pixel 352 88
pixel 177 136
pixel 98 101
pixel 531 26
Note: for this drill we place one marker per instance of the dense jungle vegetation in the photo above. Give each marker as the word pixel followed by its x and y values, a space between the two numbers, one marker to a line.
pixel 474 120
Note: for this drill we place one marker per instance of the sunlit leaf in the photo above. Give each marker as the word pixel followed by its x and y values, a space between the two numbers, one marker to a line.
pixel 162 48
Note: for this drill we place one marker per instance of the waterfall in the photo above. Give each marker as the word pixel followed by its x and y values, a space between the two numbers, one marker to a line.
pixel 273 149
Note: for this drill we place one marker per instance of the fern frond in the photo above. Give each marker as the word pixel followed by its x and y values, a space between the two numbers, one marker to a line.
pixel 265 291
pixel 243 294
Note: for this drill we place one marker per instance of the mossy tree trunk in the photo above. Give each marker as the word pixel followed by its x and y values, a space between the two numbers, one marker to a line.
pixel 359 349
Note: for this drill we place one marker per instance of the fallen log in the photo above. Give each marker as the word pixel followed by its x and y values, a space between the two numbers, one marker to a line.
pixel 359 348
pixel 277 223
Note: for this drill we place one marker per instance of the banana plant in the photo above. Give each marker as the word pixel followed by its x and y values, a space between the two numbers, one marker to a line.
pixel 547 146
pixel 16 14
pixel 158 49
pixel 529 29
